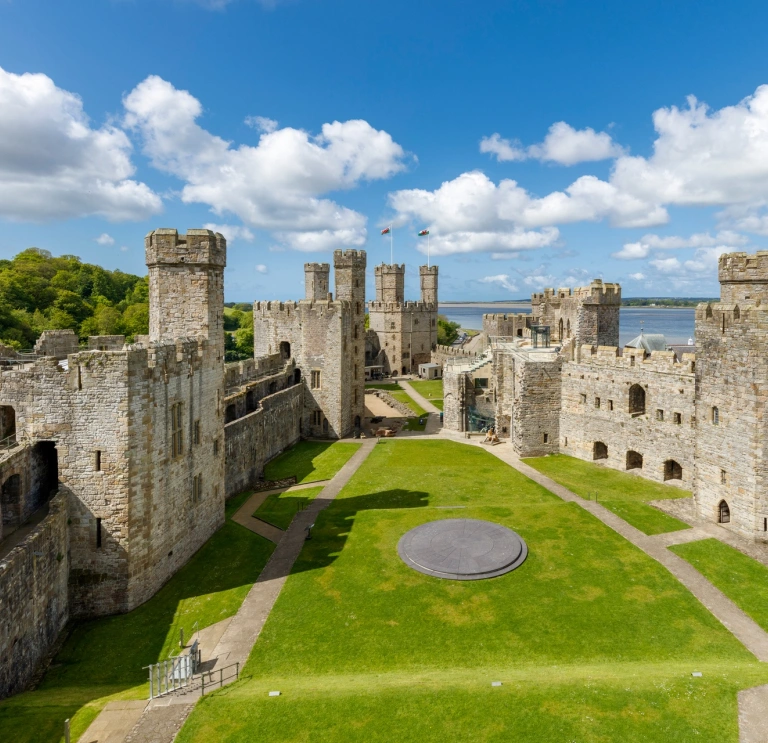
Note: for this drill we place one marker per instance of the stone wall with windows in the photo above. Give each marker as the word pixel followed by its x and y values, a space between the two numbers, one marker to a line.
pixel 635 411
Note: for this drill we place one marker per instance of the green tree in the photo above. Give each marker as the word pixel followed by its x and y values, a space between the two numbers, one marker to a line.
pixel 447 331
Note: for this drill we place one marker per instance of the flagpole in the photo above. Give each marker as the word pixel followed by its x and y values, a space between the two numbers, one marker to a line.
pixel 391 246
pixel 427 249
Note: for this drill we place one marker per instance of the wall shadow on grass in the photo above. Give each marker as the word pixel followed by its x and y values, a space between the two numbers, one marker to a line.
pixel 334 525
pixel 105 656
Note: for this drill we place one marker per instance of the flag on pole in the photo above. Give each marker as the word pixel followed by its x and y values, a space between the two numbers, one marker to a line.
pixel 386 230
pixel 423 232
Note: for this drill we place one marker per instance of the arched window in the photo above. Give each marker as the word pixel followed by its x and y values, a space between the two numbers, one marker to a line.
pixel 723 513
pixel 634 460
pixel 560 328
pixel 672 470
pixel 636 400
pixel 285 350
pixel 709 311
pixel 599 450
pixel 715 416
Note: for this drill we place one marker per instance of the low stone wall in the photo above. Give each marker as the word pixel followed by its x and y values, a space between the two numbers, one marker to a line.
pixel 33 597
pixel 254 439
pixel 384 396
pixel 286 482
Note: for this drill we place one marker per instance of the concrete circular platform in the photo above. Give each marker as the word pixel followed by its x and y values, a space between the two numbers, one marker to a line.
pixel 462 549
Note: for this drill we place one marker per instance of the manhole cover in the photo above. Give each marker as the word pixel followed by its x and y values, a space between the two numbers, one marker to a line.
pixel 462 549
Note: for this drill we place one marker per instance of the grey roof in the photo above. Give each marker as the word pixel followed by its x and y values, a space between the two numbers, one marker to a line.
pixel 649 342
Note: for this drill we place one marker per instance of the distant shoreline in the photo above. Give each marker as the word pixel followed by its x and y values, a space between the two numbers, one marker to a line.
pixel 512 305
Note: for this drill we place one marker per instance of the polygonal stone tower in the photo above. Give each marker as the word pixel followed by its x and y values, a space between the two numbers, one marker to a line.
pixel 316 280
pixel 390 283
pixel 428 276
pixel 186 285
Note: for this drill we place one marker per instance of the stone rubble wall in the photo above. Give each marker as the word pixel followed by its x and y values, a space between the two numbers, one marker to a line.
pixel 254 439
pixel 33 597
pixel 57 343
pixel 384 396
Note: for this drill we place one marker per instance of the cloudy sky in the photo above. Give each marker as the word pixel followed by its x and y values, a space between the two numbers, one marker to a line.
pixel 541 143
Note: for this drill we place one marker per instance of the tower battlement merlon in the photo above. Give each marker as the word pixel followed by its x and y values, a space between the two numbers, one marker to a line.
pixel 196 247
pixel 317 280
pixel 599 292
pixel 349 258
pixel 743 277
pixel 349 275
pixel 390 282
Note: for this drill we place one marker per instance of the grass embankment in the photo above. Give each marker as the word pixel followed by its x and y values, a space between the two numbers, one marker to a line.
pixel 310 461
pixel 280 508
pixel 431 389
pixel 592 639
pixel 624 494
pixel 103 659
pixel 742 579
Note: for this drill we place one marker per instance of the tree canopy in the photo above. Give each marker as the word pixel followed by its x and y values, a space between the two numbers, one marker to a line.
pixel 39 292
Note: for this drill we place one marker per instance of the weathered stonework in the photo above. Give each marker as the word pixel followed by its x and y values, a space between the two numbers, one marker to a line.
pixel 406 331
pixel 57 343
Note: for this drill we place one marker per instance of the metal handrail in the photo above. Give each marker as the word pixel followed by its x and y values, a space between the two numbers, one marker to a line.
pixel 221 679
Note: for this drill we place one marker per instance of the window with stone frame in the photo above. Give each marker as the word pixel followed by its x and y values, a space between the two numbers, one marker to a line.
pixel 197 488
pixel 678 418
pixel 215 447
pixel 317 417
pixel 715 416
pixel 597 403
pixel 315 379
pixel 659 414
pixel 177 430
pixel 583 398
pixel 196 432
pixel 610 404
pixel 723 477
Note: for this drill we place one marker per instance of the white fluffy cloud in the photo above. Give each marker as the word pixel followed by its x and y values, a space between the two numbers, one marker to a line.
pixel 473 214
pixel 231 232
pixel 261 123
pixel 502 280
pixel 105 239
pixel 277 185
pixel 261 268
pixel 637 276
pixel 54 165
pixel 642 248
pixel 563 145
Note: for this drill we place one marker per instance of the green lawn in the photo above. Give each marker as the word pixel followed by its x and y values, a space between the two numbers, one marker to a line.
pixel 403 396
pixel 624 494
pixel 382 386
pixel 431 389
pixel 592 639
pixel 739 577
pixel 102 660
pixel 310 461
pixel 280 508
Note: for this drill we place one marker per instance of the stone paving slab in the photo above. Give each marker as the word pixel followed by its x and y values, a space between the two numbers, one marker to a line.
pixel 159 724
pixel 114 722
pixel 753 710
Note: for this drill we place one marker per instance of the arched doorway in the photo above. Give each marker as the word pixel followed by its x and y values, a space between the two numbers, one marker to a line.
pixel 672 470
pixel 405 371
pixel 636 400
pixel 296 376
pixel 560 328
pixel 250 401
pixel 285 350
pixel 599 450
pixel 634 460
pixel 723 513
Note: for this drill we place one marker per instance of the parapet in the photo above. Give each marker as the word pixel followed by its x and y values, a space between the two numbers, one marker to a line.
pixel 197 247
pixel 57 343
pixel 660 361
pixel 742 267
pixel 106 342
pixel 349 259
pixel 387 268
pixel 317 267
pixel 428 270
pixel 598 292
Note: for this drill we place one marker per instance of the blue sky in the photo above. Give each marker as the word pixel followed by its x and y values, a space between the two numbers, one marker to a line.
pixel 541 143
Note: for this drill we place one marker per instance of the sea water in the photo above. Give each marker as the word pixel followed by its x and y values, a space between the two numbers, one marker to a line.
pixel 675 324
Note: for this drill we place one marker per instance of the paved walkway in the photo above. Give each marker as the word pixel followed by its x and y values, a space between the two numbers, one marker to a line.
pixel 753 704
pixel 164 717
pixel 244 515
pixel 433 418
pixel 746 630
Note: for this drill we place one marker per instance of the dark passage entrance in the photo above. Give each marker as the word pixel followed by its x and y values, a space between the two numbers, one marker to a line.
pixel 672 470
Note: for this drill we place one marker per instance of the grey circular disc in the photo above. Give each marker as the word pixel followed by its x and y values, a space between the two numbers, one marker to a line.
pixel 462 549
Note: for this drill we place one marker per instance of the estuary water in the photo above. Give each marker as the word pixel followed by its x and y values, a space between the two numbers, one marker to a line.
pixel 675 324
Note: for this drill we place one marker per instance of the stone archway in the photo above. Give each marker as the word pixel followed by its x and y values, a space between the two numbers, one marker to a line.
pixel 634 460
pixel 723 513
pixel 672 470
pixel 599 450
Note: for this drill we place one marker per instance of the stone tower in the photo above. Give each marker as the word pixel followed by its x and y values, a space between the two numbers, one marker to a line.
pixel 390 283
pixel 349 275
pixel 428 276
pixel 731 389
pixel 316 280
pixel 186 285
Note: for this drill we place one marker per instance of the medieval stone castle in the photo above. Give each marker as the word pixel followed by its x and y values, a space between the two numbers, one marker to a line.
pixel 557 381
pixel 116 461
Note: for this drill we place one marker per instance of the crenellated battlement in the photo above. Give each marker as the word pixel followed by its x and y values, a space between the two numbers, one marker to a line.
pixel 196 247
pixel 279 308
pixel 612 356
pixel 407 306
pixel 741 267
pixel 349 258
pixel 387 268
pixel 598 292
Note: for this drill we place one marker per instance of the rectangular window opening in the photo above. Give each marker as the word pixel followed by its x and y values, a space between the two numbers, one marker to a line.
pixel 98 533
pixel 315 381
pixel 177 434
pixel 97 460
pixel 610 404
pixel 659 415
pixel 597 403
pixel 678 418
pixel 723 477
pixel 546 438
pixel 197 432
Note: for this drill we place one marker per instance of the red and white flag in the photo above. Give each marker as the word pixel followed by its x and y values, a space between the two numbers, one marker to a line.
pixel 386 231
